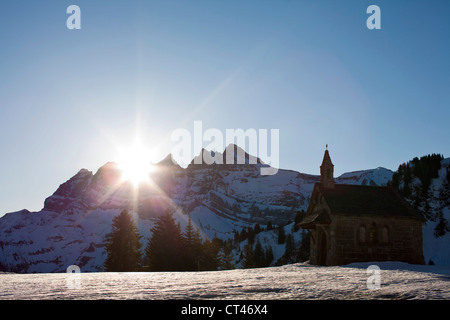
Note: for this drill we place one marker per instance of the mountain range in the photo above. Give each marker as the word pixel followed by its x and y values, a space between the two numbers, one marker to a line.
pixel 221 199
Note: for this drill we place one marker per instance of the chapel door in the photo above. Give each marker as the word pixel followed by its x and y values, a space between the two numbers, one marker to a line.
pixel 322 248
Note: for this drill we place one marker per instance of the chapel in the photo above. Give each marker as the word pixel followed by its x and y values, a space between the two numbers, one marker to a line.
pixel 356 223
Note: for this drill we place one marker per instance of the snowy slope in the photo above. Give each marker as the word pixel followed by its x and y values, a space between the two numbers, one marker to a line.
pixel 373 177
pixel 289 282
pixel 437 249
pixel 221 199
pixel 71 227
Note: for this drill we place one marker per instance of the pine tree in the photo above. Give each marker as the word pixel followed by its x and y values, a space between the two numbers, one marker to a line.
pixel 268 256
pixel 249 261
pixel 303 252
pixel 395 182
pixel 251 234
pixel 243 235
pixel 289 248
pixel 441 228
pixel 299 216
pixel 123 245
pixel 448 174
pixel 226 257
pixel 193 249
pixel 258 255
pixel 406 181
pixel 281 235
pixel 236 238
pixel 209 259
pixel 164 251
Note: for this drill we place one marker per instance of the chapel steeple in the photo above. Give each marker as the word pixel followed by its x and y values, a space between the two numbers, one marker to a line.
pixel 326 171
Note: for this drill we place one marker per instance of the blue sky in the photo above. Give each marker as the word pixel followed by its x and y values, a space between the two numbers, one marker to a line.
pixel 312 69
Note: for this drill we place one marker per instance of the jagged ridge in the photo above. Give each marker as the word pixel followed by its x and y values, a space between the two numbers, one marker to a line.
pixel 70 228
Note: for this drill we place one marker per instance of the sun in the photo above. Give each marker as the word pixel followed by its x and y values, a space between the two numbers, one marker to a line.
pixel 135 164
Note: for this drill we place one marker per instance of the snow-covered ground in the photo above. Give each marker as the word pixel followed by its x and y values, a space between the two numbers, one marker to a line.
pixel 297 281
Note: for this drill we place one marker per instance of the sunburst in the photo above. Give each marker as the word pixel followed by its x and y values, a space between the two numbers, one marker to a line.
pixel 135 163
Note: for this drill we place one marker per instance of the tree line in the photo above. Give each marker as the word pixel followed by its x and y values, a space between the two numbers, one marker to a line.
pixel 424 170
pixel 171 249
pixel 168 248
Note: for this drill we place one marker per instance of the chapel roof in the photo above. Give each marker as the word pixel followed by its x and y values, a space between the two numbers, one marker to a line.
pixel 366 200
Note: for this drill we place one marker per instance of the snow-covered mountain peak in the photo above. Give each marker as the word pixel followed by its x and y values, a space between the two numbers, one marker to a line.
pixel 83 172
pixel 168 161
pixel 232 154
pixel 220 200
pixel 378 177
pixel 240 156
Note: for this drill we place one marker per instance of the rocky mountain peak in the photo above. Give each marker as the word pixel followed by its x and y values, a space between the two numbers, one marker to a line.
pixel 232 155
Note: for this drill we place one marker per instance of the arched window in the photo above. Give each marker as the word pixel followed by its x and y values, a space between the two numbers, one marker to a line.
pixel 385 235
pixel 362 234
pixel 373 233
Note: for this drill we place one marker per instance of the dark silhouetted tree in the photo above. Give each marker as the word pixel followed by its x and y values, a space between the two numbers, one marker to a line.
pixel 441 228
pixel 268 256
pixel 281 235
pixel 164 251
pixel 289 245
pixel 123 245
pixel 303 252
pixel 192 247
pixel 299 216
pixel 258 255
pixel 249 261
pixel 226 256
pixel 251 234
pixel 210 260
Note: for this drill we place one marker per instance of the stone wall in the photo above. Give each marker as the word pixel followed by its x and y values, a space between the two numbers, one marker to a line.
pixel 374 238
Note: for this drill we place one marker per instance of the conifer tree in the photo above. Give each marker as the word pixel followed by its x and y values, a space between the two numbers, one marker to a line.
pixel 209 259
pixel 299 216
pixel 441 228
pixel 303 252
pixel 193 250
pixel 406 181
pixel 281 235
pixel 268 256
pixel 123 245
pixel 226 257
pixel 250 234
pixel 289 245
pixel 164 251
pixel 249 261
pixel 243 235
pixel 258 255
pixel 448 174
